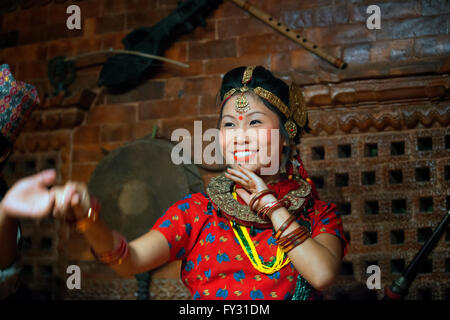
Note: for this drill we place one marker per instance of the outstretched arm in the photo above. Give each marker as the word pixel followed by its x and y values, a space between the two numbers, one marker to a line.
pixel 27 198
pixel 147 252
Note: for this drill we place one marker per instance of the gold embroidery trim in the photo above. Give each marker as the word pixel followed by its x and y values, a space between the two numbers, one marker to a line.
pixel 220 191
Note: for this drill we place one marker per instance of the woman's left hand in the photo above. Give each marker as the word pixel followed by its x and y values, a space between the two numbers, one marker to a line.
pixel 251 183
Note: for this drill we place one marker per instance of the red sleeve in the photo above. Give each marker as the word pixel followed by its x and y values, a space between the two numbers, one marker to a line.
pixel 326 219
pixel 181 224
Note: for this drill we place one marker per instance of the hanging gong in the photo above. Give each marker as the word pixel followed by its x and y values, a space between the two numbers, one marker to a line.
pixel 137 182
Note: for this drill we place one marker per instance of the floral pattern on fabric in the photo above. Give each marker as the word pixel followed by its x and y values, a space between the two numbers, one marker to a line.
pixel 215 266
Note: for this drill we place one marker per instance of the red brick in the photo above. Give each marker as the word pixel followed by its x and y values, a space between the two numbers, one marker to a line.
pixel 342 34
pixel 89 27
pixel 445 67
pixel 207 105
pixel 380 51
pixel 168 108
pixel 296 18
pixel 113 23
pixel 83 81
pixel 201 86
pixel 86 135
pixel 177 51
pixel 267 43
pixel 389 10
pixel 323 16
pixel 117 132
pixel 167 126
pixel 9 20
pixel 223 65
pixel 60 139
pixel 32 70
pixel 65 119
pixel 30 52
pixel 207 32
pixel 87 153
pixel 91 9
pixel 172 4
pixel 24 19
pixel 31 36
pixel 231 28
pixel 58 31
pixel 87 44
pixel 149 90
pixel 357 54
pixel 113 40
pixel 413 28
pixel 63 47
pixel 228 9
pixel 57 14
pixel 145 128
pixel 112 114
pixel 174 88
pixel 145 18
pixel 402 50
pixel 82 172
pixel 435 7
pixel 434 46
pixel 280 62
pixel 303 59
pixel 212 49
pixel 287 5
pixel 170 70
pixel 112 7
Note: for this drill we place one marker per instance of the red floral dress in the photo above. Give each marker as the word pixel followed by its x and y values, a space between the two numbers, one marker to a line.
pixel 214 264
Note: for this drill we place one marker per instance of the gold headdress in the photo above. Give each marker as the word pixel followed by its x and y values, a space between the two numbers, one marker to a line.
pixel 296 115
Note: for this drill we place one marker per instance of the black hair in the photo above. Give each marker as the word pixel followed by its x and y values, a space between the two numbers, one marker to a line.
pixel 265 79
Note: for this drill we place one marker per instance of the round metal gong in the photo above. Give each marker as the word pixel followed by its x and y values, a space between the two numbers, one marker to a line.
pixel 137 182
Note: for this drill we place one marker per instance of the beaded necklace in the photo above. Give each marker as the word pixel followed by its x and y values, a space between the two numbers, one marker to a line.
pixel 248 247
pixel 302 287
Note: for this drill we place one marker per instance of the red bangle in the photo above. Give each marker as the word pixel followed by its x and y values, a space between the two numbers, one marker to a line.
pixel 294 238
pixel 283 241
pixel 284 226
pixel 259 195
pixel 115 256
pixel 270 207
pixel 296 242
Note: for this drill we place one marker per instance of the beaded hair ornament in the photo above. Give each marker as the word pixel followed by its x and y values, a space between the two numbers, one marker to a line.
pixel 296 114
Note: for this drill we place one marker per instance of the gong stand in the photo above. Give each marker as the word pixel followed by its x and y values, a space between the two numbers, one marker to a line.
pixel 399 288
pixel 143 284
pixel 135 184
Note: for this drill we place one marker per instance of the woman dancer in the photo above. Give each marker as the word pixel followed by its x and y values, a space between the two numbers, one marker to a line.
pixel 256 233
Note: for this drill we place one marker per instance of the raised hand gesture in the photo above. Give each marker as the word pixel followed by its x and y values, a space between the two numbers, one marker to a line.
pixel 30 197
pixel 251 183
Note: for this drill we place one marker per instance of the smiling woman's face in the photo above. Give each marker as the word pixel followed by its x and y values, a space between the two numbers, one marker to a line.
pixel 246 138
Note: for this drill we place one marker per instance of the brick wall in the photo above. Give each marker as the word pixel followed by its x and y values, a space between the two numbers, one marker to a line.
pixel 369 120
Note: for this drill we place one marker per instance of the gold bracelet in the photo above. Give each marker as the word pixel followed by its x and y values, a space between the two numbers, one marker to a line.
pixel 92 215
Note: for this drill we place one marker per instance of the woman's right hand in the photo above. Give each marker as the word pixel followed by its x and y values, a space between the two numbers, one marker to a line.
pixel 72 201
